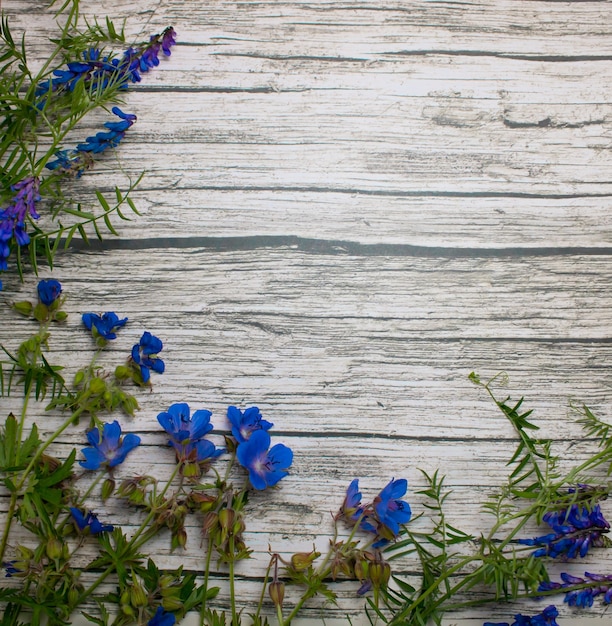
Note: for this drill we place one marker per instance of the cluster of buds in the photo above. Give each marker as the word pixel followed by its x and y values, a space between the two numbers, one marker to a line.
pixel 101 393
pixel 134 598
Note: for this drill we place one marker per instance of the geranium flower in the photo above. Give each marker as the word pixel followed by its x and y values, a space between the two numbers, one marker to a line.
pixel 265 466
pixel 90 522
pixel 49 291
pixel 245 423
pixel 105 325
pixel 187 433
pixel 110 449
pixel 144 354
pixel 351 507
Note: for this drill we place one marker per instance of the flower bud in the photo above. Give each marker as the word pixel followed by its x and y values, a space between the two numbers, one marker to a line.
pixel 303 560
pixel 54 548
pixel 122 372
pixel 172 603
pixel 108 486
pixel 276 590
pixel 227 518
pixel 138 596
pixel 24 307
pixel 97 386
pixel 60 316
pixel 209 522
pixel 79 377
pixel 191 470
pixel 40 312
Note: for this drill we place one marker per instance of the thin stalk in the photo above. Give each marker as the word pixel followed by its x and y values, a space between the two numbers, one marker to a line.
pixel 206 577
pixel 232 581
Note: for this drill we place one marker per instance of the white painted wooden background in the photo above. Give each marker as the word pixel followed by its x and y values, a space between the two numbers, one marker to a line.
pixel 348 207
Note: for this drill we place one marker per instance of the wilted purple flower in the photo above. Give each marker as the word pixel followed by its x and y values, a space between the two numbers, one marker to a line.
pixel 105 325
pixel 188 433
pixel 245 423
pixel 144 354
pixel 13 218
pixel 575 530
pixel 265 466
pixel 109 449
pixel 351 507
pixel 89 522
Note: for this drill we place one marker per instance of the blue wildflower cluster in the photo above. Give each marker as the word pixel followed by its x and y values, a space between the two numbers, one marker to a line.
pixel 546 618
pixel 576 529
pixel 13 218
pixel 383 516
pixel 266 466
pixel 76 161
pixel 593 585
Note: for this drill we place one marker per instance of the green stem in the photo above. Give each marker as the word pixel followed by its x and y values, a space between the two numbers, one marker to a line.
pixel 206 577
pixel 232 581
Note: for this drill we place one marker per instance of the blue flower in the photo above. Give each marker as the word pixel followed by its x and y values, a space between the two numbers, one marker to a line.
pixel 89 522
pixel 388 511
pixel 13 218
pixel 575 530
pixel 351 507
pixel 187 433
pixel 108 450
pixel 545 618
pixel 245 423
pixel 104 326
pixel 162 618
pixel 144 354
pixel 49 291
pixel 265 466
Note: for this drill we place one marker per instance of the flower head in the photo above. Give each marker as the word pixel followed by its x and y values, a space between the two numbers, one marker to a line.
pixel 49 291
pixel 187 433
pixel 245 423
pixel 109 449
pixel 144 354
pixel 576 529
pixel 105 325
pixel 89 522
pixel 265 466
pixel 162 618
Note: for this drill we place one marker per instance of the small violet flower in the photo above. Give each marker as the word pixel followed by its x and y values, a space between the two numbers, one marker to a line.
pixel 89 522
pixel 49 291
pixel 545 618
pixel 144 354
pixel 187 433
pixel 105 325
pixel 245 423
pixel 575 530
pixel 162 618
pixel 109 449
pixel 266 466
pixel 11 569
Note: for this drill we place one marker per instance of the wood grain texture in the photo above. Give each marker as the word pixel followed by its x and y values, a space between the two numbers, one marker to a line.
pixel 347 208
